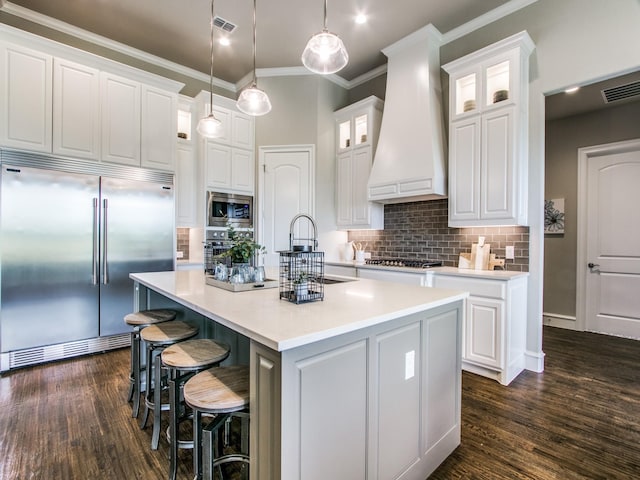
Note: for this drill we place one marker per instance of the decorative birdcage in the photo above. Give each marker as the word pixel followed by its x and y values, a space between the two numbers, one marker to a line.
pixel 301 276
pixel 301 268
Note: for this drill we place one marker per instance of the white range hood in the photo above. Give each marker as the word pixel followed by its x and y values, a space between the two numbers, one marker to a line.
pixel 410 162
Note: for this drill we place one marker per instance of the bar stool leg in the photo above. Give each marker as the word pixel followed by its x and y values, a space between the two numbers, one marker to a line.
pixel 147 394
pixel 131 371
pixel 157 403
pixel 197 444
pixel 137 381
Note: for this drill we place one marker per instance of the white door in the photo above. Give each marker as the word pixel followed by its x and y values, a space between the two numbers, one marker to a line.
pixel 286 189
pixel 610 230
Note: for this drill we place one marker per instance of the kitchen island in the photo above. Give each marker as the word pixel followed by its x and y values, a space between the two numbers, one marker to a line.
pixel 365 384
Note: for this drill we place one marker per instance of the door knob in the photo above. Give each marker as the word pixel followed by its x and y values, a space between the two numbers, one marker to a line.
pixel 592 265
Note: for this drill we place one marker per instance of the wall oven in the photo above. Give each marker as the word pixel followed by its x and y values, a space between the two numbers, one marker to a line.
pixel 229 209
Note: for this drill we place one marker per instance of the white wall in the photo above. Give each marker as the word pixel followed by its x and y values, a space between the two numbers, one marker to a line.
pixel 577 41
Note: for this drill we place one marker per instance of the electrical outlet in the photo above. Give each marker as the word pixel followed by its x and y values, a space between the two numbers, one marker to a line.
pixel 179 254
pixel 509 253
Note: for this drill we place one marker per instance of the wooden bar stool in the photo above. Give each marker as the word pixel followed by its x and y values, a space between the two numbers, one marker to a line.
pixel 157 338
pixel 221 391
pixel 140 320
pixel 182 361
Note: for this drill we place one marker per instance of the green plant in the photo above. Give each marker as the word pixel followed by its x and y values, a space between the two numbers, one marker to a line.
pixel 242 248
pixel 300 278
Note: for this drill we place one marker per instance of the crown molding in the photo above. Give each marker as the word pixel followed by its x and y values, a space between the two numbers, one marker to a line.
pixel 87 36
pixel 486 19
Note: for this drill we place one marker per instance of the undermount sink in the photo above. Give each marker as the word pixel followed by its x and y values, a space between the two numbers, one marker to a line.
pixel 331 280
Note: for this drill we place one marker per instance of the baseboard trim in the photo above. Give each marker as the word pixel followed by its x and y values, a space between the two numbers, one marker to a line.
pixel 558 320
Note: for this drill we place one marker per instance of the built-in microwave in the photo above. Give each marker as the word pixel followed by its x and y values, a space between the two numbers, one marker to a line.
pixel 229 209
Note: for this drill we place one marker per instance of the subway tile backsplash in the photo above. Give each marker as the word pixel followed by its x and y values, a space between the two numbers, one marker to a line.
pixel 419 230
pixel 183 242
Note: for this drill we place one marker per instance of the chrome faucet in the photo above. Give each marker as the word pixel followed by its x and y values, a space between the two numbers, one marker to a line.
pixel 315 231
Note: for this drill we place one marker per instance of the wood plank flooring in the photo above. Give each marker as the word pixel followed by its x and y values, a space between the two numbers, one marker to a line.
pixel 580 419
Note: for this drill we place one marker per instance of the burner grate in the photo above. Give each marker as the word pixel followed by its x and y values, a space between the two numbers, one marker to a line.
pixel 403 262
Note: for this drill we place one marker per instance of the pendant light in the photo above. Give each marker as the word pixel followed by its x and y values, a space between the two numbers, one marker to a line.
pixel 325 52
pixel 209 126
pixel 252 100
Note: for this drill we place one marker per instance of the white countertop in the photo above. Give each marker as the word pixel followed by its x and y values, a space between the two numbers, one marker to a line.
pixel 282 325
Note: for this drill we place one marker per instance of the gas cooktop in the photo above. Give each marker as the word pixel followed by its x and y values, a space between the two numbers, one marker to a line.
pixel 403 262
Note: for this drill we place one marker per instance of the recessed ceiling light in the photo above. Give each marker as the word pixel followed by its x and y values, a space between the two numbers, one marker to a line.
pixel 572 90
pixel 361 18
pixel 225 41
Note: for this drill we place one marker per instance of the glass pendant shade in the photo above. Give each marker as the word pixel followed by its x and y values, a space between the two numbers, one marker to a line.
pixel 253 101
pixel 325 53
pixel 209 127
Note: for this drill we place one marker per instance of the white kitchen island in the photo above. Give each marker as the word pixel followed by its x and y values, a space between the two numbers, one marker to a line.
pixel 365 384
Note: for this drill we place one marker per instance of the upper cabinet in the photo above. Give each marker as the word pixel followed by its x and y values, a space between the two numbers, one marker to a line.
pixel 488 107
pixel 60 100
pixel 229 160
pixel 357 130
pixel 26 84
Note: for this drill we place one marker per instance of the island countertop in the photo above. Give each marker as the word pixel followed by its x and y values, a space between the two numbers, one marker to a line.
pixel 282 325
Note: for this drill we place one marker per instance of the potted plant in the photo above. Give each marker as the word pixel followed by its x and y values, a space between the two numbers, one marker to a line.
pixel 243 249
pixel 300 285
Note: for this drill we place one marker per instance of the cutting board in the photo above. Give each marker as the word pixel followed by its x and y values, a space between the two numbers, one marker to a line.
pixel 480 256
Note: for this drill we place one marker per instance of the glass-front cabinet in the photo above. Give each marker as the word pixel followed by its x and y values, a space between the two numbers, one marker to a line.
pixel 488 103
pixel 357 129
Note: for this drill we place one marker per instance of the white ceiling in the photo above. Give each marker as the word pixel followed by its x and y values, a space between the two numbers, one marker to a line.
pixel 179 30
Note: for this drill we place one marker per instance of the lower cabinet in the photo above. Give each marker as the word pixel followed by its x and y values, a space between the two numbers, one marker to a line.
pixel 379 403
pixel 411 278
pixel 494 329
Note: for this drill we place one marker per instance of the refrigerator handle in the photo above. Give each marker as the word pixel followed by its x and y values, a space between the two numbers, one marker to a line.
pixel 94 260
pixel 105 272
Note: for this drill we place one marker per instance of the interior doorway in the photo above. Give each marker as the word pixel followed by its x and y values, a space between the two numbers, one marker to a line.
pixel 287 187
pixel 609 239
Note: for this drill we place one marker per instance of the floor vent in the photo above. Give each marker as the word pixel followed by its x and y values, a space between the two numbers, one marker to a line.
pixel 32 356
pixel 223 24
pixel 621 92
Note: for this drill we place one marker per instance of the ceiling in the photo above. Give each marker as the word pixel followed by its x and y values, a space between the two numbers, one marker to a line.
pixel 179 30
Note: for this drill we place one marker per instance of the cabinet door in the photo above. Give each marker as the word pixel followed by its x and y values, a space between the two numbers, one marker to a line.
pixel 224 116
pixel 158 128
pixel 498 172
pixel 76 110
pixel 361 168
pixel 242 171
pixel 25 98
pixel 344 181
pixel 464 171
pixel 120 120
pixel 483 331
pixel 185 188
pixel 218 167
pixel 242 130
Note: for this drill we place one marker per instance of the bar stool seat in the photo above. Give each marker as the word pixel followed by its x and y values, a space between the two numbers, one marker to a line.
pixel 183 360
pixel 222 391
pixel 139 320
pixel 157 338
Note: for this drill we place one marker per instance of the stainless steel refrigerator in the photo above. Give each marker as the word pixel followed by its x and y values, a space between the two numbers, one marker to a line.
pixel 70 234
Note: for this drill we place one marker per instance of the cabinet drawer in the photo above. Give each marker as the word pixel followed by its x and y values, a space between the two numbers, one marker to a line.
pixel 475 286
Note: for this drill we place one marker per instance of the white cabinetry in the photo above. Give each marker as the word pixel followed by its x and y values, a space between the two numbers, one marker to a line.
pixel 410 278
pixel 120 102
pixel 488 98
pixel 25 98
pixel 158 128
pixel 357 129
pixel 76 110
pixel 229 160
pixel 57 99
pixel 494 328
pixel 188 189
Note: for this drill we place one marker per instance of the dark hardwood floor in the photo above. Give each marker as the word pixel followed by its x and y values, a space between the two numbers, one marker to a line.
pixel 580 419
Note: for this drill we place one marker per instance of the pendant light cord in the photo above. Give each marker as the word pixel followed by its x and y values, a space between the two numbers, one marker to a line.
pixel 255 77
pixel 325 15
pixel 211 70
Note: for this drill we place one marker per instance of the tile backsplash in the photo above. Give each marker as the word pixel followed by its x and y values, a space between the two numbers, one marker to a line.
pixel 183 242
pixel 419 230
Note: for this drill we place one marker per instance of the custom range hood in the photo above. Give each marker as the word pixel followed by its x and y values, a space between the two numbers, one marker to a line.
pixel 410 163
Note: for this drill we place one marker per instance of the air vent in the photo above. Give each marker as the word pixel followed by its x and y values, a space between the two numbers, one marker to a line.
pixel 223 24
pixel 621 92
